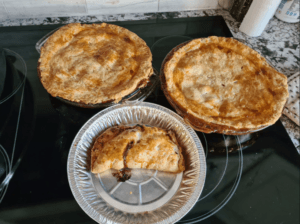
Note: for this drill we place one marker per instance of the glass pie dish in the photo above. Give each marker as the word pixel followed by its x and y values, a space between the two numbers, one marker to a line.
pixel 138 95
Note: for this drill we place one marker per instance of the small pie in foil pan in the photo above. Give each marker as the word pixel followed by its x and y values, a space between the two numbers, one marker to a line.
pixel 149 196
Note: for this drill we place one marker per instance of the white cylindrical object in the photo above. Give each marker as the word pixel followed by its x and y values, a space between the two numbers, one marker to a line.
pixel 225 4
pixel 288 11
pixel 258 16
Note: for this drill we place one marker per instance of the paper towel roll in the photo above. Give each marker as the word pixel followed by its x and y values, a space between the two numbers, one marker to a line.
pixel 258 16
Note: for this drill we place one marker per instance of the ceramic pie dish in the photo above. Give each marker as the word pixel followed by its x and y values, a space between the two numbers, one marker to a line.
pixel 219 85
pixel 94 64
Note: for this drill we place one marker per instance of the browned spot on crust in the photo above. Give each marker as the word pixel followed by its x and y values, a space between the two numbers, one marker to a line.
pixel 126 39
pixel 272 92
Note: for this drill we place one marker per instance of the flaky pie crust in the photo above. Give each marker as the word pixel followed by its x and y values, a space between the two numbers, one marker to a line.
pixel 221 85
pixel 94 63
pixel 137 146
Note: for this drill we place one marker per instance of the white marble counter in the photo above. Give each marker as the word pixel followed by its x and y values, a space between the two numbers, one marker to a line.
pixel 279 43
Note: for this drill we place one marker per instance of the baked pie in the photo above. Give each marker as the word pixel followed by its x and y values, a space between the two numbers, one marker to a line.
pixel 221 85
pixel 137 147
pixel 95 63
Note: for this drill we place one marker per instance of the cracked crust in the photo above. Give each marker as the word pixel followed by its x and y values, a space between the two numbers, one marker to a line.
pixel 95 63
pixel 137 147
pixel 221 85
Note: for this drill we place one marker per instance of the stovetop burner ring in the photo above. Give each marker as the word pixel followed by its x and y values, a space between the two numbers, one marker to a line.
pixel 211 192
pixel 222 176
pixel 7 169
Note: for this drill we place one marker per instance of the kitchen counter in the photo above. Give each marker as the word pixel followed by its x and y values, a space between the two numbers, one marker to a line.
pixel 279 43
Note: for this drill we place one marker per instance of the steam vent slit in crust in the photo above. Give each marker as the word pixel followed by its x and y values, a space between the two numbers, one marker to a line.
pixel 137 147
pixel 94 63
pixel 221 85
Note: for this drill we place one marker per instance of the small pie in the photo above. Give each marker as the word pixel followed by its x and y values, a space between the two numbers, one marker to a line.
pixel 137 147
pixel 94 63
pixel 221 85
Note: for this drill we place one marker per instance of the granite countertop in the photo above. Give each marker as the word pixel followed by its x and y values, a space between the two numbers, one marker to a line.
pixel 279 43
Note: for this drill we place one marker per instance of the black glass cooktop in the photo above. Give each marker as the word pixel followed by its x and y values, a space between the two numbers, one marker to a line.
pixel 250 179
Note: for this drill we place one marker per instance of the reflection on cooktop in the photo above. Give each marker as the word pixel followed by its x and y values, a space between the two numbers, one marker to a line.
pixel 72 114
pixel 16 133
pixel 13 129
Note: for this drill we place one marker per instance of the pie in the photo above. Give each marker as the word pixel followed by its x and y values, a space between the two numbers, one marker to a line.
pixel 137 147
pixel 94 63
pixel 221 85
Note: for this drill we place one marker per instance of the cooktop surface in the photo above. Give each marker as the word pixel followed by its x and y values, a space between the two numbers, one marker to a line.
pixel 250 179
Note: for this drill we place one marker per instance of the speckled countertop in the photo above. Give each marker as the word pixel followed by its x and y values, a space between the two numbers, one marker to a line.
pixel 279 43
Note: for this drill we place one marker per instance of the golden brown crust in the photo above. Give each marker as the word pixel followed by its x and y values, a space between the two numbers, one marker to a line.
pixel 220 85
pixel 137 147
pixel 94 63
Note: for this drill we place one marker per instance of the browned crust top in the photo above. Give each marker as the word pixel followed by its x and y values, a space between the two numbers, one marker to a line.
pixel 256 103
pixel 94 63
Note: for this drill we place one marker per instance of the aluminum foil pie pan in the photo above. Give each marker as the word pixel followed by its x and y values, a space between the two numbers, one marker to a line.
pixel 149 196
pixel 139 95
